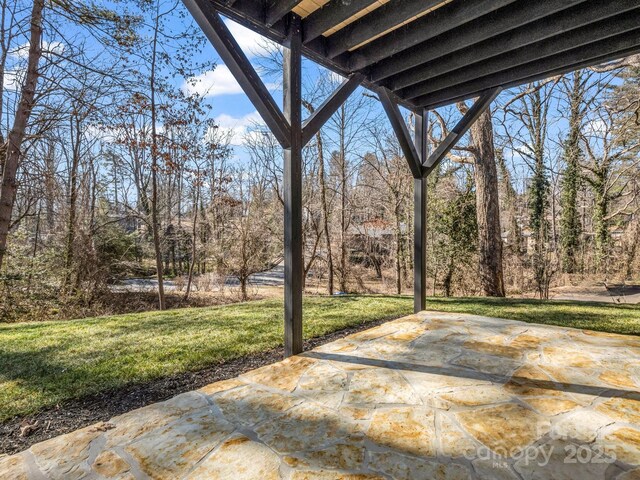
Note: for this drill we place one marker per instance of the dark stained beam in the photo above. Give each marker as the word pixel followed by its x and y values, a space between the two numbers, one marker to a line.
pixel 277 9
pixel 402 133
pixel 531 53
pixel 594 61
pixel 440 21
pixel 248 13
pixel 460 129
pixel 420 218
pixel 564 21
pixel 323 113
pixel 375 23
pixel 293 259
pixel 451 40
pixel 237 62
pixel 591 54
pixel 330 15
pixel 419 244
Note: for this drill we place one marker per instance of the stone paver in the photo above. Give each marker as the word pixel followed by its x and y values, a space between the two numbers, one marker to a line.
pixel 429 396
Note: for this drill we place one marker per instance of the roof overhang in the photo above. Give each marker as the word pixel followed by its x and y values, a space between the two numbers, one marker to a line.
pixel 430 53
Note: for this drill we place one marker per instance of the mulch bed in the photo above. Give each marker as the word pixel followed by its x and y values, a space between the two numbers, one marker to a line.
pixel 81 412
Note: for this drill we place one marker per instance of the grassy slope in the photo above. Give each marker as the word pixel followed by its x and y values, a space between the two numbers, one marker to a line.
pixel 43 363
pixel 604 317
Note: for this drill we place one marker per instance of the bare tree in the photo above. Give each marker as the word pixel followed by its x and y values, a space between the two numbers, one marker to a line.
pixel 8 186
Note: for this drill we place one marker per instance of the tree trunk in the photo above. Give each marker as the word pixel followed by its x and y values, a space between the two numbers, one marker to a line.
pixel 398 250
pixel 343 204
pixel 155 220
pixel 600 223
pixel 448 278
pixel 17 134
pixel 194 238
pixel 325 213
pixel 243 288
pixel 73 202
pixel 487 208
pixel 50 180
pixel 633 249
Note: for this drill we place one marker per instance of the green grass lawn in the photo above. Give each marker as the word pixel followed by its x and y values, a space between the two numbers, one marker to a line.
pixel 44 363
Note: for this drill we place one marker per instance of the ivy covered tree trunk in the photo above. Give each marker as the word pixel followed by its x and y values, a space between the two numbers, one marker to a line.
pixel 487 208
pixel 539 225
pixel 536 113
pixel 600 220
pixel 570 226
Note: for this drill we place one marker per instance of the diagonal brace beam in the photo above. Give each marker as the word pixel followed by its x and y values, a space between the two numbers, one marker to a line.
pixel 402 132
pixel 460 129
pixel 323 113
pixel 244 73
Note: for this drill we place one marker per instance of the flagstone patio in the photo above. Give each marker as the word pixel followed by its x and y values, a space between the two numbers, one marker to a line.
pixel 429 396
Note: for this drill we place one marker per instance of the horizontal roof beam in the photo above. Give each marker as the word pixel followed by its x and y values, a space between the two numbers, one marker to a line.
pixel 330 15
pixel 537 51
pixel 560 23
pixel 481 29
pixel 600 60
pixel 591 54
pixel 421 30
pixel 277 9
pixel 375 23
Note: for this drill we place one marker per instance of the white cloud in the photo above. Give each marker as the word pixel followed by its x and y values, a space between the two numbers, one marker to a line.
pixel 13 80
pixel 14 76
pixel 219 81
pixel 596 127
pixel 22 52
pixel 336 77
pixel 251 43
pixel 214 83
pixel 238 128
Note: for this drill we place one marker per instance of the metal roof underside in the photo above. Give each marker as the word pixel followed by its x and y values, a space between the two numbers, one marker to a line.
pixel 431 53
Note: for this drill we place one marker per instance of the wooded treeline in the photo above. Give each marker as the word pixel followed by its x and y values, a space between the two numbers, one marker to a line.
pixel 112 169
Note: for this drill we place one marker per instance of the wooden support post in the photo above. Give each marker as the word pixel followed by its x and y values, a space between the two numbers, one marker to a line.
pixel 293 258
pixel 420 219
